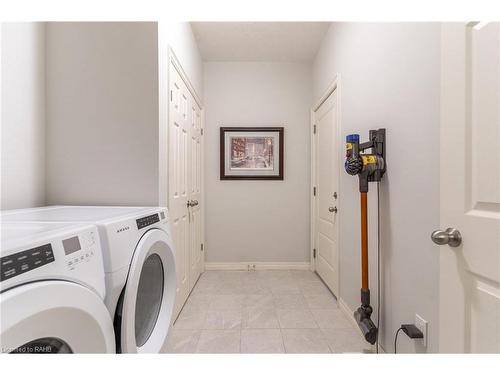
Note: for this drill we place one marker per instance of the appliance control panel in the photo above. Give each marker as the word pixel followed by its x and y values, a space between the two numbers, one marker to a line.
pixel 147 221
pixel 24 261
pixel 79 249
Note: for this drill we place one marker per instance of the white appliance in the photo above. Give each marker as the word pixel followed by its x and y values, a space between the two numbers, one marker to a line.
pixel 139 265
pixel 52 290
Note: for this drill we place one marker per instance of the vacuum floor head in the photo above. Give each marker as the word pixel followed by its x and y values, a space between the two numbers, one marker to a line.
pixel 366 325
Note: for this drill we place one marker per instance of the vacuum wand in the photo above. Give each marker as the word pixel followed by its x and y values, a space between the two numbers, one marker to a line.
pixel 368 167
pixel 364 241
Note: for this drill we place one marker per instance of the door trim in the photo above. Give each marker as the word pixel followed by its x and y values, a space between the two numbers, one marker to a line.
pixel 453 56
pixel 334 86
pixel 203 197
pixel 175 62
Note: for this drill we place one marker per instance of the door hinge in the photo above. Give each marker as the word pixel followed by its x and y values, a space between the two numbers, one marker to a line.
pixel 201 131
pixel 314 129
pixel 201 247
pixel 171 95
pixel 314 253
pixel 314 190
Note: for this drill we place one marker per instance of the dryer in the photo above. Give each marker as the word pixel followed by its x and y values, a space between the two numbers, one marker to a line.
pixel 52 290
pixel 139 265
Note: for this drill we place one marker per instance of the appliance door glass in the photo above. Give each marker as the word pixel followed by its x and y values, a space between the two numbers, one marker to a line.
pixel 149 295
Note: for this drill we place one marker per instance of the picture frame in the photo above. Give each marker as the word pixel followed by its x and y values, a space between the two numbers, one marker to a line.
pixel 251 153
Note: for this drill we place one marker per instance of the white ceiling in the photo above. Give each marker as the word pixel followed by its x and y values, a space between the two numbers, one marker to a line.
pixel 259 41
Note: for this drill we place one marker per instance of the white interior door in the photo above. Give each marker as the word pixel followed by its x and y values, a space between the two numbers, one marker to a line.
pixel 195 196
pixel 185 184
pixel 326 184
pixel 470 188
pixel 178 175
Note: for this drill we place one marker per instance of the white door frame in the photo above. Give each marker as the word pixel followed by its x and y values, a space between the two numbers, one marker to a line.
pixel 202 208
pixel 333 87
pixel 175 62
pixel 167 57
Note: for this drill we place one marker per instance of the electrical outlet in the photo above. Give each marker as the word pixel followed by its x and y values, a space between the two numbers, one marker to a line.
pixel 421 324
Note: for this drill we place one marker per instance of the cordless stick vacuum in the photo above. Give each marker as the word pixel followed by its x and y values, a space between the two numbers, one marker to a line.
pixel 368 167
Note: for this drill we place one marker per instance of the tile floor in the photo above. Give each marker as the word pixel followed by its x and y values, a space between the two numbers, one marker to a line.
pixel 262 312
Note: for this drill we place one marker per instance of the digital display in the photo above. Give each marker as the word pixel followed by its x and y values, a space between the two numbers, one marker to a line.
pixel 71 245
pixel 146 221
pixel 24 261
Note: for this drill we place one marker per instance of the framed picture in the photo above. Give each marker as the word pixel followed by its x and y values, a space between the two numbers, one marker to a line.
pixel 251 153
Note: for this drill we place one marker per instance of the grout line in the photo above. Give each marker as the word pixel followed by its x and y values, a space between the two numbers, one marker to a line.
pixel 274 307
pixel 197 341
pixel 240 336
pixel 283 340
pixel 241 329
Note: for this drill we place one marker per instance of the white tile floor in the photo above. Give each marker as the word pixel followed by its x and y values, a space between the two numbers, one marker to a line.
pixel 263 312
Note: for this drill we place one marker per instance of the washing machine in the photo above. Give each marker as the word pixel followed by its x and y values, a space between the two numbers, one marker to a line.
pixel 139 265
pixel 52 290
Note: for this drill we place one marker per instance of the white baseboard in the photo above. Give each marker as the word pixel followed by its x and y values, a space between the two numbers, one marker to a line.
pixel 245 266
pixel 350 315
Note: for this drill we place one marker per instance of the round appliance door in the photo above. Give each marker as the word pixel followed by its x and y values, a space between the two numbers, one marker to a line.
pixel 149 296
pixel 54 317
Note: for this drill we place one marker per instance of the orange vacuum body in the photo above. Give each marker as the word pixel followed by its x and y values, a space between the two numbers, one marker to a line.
pixel 368 167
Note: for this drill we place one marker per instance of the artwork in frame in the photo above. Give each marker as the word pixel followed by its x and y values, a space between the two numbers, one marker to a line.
pixel 251 153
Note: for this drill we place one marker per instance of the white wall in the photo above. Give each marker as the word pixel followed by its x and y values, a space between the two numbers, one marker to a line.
pixel 23 115
pixel 258 220
pixel 106 109
pixel 390 77
pixel 102 113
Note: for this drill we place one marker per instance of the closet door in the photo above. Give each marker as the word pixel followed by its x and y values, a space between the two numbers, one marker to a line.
pixel 178 181
pixel 185 184
pixel 195 196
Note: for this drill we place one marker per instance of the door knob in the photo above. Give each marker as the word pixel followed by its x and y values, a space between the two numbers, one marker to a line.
pixel 332 209
pixel 450 236
pixel 192 203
